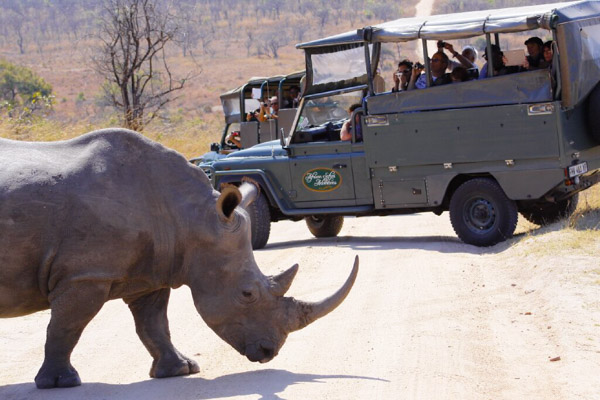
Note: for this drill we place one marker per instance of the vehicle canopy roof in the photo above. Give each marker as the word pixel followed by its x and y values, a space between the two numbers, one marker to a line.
pixel 466 24
pixel 340 61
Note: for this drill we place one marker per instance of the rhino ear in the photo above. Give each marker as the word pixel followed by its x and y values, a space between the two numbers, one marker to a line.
pixel 229 199
pixel 249 190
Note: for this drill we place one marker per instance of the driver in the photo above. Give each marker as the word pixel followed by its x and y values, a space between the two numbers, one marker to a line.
pixel 346 132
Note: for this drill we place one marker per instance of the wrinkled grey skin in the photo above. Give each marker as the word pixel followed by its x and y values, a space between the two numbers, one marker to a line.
pixel 112 215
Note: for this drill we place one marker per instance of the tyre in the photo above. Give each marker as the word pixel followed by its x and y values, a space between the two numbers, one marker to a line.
pixel 324 225
pixel 260 221
pixel 543 213
pixel 481 214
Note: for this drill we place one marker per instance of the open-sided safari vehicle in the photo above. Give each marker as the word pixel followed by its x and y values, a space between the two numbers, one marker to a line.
pixel 238 102
pixel 483 150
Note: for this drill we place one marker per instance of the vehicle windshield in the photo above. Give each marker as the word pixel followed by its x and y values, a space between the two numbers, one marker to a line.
pixel 318 111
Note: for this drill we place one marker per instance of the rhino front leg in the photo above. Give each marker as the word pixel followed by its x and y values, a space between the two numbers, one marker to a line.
pixel 72 307
pixel 152 326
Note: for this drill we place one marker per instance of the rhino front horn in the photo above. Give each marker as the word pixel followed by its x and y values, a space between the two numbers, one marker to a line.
pixel 310 312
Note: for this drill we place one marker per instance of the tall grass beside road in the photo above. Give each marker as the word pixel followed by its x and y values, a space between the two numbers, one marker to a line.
pixel 189 137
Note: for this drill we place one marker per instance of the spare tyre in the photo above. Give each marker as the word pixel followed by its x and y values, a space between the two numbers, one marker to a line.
pixel 593 110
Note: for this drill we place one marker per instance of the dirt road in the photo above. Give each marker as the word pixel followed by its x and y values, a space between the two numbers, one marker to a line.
pixel 428 318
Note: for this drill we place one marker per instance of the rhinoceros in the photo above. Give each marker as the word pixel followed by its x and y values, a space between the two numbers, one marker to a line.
pixel 112 214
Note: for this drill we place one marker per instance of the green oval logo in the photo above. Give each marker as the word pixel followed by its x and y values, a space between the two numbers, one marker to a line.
pixel 321 180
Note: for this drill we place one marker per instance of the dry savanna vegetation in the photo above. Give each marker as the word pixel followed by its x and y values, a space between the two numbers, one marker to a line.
pixel 221 43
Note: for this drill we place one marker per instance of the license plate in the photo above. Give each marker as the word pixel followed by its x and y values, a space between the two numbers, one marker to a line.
pixel 578 169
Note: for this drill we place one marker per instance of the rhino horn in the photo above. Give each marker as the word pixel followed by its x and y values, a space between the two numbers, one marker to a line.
pixel 282 282
pixel 310 312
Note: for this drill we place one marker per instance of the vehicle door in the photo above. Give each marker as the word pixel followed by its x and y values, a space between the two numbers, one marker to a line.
pixel 321 165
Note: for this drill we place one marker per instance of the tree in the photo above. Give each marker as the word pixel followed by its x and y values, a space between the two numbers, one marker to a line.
pixel 23 94
pixel 134 35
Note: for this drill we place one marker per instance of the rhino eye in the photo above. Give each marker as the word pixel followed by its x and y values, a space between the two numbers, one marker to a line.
pixel 248 296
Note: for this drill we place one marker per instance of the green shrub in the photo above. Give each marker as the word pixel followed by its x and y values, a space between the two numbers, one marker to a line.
pixel 23 94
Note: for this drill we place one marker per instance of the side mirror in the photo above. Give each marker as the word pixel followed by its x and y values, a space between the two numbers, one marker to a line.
pixel 282 141
pixel 215 147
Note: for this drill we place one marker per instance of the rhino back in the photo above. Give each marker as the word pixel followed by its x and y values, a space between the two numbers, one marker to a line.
pixel 110 205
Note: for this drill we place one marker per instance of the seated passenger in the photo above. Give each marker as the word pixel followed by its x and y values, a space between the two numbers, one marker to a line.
pixel 346 132
pixel 438 66
pixel 499 62
pixel 234 139
pixel 253 115
pixel 402 76
pixel 466 58
pixel 268 109
pixel 535 59
pixel 293 99
pixel 548 53
pixel 459 74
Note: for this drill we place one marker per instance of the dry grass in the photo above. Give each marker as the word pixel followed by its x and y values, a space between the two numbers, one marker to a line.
pixel 190 137
pixel 578 234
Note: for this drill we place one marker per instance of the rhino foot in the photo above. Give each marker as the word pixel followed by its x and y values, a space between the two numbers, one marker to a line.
pixel 174 367
pixel 49 378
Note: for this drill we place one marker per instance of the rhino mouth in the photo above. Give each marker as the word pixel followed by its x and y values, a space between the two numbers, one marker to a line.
pixel 261 352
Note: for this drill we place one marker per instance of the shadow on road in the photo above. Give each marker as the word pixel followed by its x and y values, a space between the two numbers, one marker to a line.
pixel 267 384
pixel 441 244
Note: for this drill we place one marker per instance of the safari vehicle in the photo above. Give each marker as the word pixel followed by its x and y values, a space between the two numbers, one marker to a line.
pixel 484 150
pixel 238 102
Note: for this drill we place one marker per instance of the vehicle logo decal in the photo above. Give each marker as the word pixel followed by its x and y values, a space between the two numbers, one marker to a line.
pixel 322 180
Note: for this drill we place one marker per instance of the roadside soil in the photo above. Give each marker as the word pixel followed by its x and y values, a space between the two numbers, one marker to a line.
pixel 428 318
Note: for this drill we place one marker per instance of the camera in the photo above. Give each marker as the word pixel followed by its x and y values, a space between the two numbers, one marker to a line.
pixel 441 44
pixel 418 65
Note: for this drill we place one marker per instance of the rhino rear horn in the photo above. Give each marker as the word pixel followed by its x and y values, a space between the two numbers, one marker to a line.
pixel 310 312
pixel 282 282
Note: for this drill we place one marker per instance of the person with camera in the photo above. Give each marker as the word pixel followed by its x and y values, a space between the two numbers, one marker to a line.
pixel 439 76
pixel 402 76
pixel 465 59
pixel 268 109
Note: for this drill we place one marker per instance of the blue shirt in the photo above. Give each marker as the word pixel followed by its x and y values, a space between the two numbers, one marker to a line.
pixel 483 72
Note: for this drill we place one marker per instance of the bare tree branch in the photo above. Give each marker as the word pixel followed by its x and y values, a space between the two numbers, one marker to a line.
pixel 134 36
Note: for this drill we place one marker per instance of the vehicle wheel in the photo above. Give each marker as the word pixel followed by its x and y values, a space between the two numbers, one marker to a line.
pixel 543 213
pixel 593 110
pixel 324 225
pixel 260 220
pixel 481 214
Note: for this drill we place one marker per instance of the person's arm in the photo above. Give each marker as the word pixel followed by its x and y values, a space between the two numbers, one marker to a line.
pixel 396 82
pixel 416 72
pixel 262 113
pixel 346 132
pixel 464 61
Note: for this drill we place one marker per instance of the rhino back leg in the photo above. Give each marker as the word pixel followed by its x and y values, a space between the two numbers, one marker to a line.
pixel 152 326
pixel 72 305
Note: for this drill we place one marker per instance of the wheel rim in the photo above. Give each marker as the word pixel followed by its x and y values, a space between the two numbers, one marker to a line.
pixel 480 215
pixel 317 221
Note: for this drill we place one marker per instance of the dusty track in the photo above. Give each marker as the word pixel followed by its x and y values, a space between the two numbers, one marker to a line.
pixel 428 318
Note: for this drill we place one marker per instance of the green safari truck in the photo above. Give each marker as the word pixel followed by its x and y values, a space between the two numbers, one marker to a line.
pixel 483 149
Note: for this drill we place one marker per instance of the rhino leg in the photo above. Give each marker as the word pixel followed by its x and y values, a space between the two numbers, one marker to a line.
pixel 72 307
pixel 152 326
